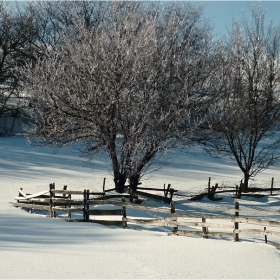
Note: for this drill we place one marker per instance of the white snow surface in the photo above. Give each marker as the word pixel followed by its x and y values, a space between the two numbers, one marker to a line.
pixel 36 246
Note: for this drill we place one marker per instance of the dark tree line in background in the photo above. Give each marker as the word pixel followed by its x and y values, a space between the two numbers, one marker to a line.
pixel 16 37
pixel 28 31
pixel 135 79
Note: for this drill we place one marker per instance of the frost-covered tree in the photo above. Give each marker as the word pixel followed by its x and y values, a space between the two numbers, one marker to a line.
pixel 128 84
pixel 244 124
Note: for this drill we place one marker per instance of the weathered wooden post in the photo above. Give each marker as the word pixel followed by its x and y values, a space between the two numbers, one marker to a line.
pixel 265 236
pixel 204 229
pixel 84 210
pixel 64 188
pixel 174 219
pixel 50 192
pixel 167 190
pixel 236 192
pixel 69 206
pixel 52 213
pixel 124 214
pixel 171 194
pixel 86 206
pixel 104 181
pixel 209 185
pixel 236 223
pixel 20 193
pixel 272 183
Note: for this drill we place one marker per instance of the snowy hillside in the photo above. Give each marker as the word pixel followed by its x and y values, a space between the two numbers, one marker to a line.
pixel 33 246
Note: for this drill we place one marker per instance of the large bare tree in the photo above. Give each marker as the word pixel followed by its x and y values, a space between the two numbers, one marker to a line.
pixel 244 124
pixel 128 85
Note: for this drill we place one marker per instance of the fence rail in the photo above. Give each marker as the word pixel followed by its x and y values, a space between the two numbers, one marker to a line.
pixel 238 191
pixel 201 224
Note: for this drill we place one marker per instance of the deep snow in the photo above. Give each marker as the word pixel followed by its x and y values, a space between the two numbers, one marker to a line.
pixel 34 246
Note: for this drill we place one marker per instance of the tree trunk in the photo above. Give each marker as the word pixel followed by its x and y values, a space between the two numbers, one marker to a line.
pixel 119 177
pixel 134 181
pixel 119 180
pixel 246 180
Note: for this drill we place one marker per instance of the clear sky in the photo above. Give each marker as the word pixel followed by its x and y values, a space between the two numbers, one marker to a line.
pixel 221 13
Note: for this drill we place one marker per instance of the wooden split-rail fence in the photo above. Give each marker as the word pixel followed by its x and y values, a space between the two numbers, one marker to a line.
pixel 175 220
pixel 238 191
pixel 55 200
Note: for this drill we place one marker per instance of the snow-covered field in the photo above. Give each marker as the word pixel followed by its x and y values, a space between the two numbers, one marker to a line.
pixel 33 246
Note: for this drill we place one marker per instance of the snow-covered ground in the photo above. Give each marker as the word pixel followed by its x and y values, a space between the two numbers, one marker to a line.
pixel 34 246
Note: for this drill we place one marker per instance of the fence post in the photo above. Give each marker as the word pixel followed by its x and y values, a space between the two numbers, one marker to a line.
pixel 236 224
pixel 124 214
pixel 86 206
pixel 167 190
pixel 171 194
pixel 204 229
pixel 209 185
pixel 19 194
pixel 104 181
pixel 52 213
pixel 69 206
pixel 265 236
pixel 236 192
pixel 64 188
pixel 272 183
pixel 174 219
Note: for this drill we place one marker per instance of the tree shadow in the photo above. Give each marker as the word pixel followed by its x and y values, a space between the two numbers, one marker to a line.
pixel 30 230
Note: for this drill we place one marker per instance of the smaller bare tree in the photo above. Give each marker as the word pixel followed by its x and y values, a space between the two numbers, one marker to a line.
pixel 244 123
